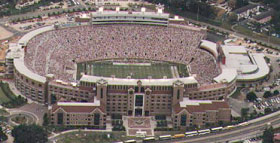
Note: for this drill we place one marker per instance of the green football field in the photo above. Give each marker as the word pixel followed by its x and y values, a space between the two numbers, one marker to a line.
pixel 106 69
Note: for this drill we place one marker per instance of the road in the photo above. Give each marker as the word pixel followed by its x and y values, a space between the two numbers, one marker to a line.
pixel 37 13
pixel 232 32
pixel 254 129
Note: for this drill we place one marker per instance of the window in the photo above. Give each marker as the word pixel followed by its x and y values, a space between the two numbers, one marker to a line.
pixel 59 118
pixel 136 88
pixel 96 118
pixel 138 100
pixel 178 94
pixel 129 112
pixel 183 120
pixel 142 89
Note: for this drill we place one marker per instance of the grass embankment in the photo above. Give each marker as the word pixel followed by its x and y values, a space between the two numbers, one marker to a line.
pixel 93 137
pixel 8 98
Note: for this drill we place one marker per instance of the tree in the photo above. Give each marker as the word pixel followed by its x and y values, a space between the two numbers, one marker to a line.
pixel 269 1
pixel 220 123
pixel 232 4
pixel 232 17
pixel 29 134
pixel 268 135
pixel 3 136
pixel 244 113
pixel 251 96
pixel 241 3
pixel 45 120
pixel 275 92
pixel 267 59
pixel 267 94
pixel 267 110
pixel 253 115
pixel 194 6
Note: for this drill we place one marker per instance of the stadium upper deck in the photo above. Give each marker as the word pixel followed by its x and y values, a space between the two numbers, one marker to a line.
pixel 63 48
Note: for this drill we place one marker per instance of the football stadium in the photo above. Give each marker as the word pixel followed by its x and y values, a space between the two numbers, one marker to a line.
pixel 134 64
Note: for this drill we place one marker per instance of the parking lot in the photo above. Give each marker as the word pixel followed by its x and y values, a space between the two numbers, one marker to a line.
pixel 273 103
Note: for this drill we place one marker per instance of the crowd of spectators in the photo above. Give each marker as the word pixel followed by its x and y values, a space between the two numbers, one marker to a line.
pixel 56 52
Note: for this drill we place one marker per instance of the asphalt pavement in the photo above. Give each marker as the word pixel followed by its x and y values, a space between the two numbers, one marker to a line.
pixel 252 130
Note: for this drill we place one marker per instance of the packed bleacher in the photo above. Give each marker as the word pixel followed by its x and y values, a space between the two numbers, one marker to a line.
pixel 58 51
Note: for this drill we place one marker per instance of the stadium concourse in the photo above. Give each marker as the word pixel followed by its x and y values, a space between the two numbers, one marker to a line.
pixel 45 63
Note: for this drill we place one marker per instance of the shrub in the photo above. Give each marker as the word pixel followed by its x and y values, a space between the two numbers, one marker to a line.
pixel 275 92
pixel 251 96
pixel 267 94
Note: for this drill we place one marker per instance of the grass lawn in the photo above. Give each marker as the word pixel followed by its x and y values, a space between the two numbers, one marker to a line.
pixel 156 70
pixel 19 119
pixel 8 99
pixel 3 97
pixel 93 137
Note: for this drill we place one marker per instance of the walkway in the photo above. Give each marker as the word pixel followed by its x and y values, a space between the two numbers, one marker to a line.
pixel 136 125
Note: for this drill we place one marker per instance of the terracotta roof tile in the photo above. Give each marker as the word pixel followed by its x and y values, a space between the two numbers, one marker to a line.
pixel 216 105
pixel 82 109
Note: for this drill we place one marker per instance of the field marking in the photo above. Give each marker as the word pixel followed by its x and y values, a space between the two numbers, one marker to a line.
pixel 176 72
pixel 138 70
pixel 132 64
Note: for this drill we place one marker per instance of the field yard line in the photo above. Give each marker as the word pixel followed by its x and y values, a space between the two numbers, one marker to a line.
pixel 172 72
pixel 132 64
pixel 176 72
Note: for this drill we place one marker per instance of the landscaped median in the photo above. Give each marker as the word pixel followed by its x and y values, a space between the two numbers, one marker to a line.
pixel 8 99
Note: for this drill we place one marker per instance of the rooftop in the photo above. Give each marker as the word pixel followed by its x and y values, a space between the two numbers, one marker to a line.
pixel 228 75
pixel 249 66
pixel 200 105
pixel 76 109
pixel 263 15
pixel 151 82
pixel 159 13
pixel 77 106
pixel 245 8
